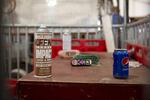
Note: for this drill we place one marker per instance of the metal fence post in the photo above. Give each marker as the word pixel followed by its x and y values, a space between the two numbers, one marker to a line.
pixel 9 52
pixel 125 23
pixel 26 49
pixel 18 53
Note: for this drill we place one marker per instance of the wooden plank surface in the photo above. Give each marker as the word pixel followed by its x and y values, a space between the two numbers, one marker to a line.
pixel 62 71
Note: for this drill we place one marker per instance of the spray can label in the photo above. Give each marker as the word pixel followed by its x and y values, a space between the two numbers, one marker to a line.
pixel 42 54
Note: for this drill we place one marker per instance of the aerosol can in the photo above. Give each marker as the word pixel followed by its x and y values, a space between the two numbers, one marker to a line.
pixel 42 53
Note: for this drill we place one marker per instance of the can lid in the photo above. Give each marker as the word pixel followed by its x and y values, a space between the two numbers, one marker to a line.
pixel 121 49
pixel 43 28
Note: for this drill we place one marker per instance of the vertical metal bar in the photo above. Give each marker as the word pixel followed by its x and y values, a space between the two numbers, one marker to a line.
pixel 133 34
pixel 4 67
pixel 102 33
pixel 125 22
pixel 61 34
pixel 118 37
pixel 18 53
pixel 52 31
pixel 96 35
pixel 115 34
pixel 139 34
pixel 118 4
pixel 26 49
pixel 127 11
pixel 142 34
pixel 132 28
pixel 136 34
pixel 87 35
pixel 9 53
pixel 130 34
pixel 145 34
pixel 148 34
pixel 69 31
pixel 78 35
pixel 127 38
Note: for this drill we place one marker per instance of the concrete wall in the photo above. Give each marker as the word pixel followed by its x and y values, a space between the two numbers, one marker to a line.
pixel 67 12
pixel 59 12
pixel 137 8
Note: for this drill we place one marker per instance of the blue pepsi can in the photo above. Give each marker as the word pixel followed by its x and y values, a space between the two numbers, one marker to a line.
pixel 121 63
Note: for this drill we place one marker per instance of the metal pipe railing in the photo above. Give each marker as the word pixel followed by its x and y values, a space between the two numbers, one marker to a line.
pixel 49 26
pixel 139 32
pixel 139 22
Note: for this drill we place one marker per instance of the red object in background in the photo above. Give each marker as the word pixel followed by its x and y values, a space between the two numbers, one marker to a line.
pixel 79 44
pixel 146 56
pixel 12 86
pixel 141 53
pixel 56 46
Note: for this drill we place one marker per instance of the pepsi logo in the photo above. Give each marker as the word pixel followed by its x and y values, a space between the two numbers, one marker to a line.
pixel 125 60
